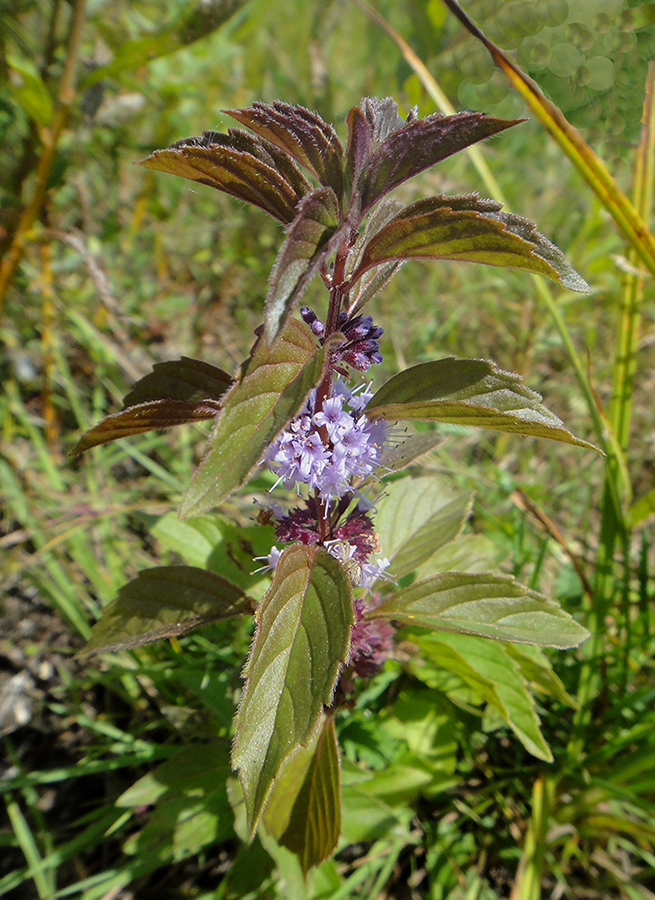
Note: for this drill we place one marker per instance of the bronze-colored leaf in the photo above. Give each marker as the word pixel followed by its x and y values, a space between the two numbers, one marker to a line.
pixel 248 167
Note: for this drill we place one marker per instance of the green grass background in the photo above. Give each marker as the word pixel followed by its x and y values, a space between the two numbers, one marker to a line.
pixel 123 267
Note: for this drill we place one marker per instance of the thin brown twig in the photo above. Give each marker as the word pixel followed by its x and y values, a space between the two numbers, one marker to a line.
pixel 520 499
pixel 50 138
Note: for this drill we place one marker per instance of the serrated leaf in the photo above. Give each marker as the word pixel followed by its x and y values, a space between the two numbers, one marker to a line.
pixel 487 605
pixel 271 391
pixel 471 229
pixel 302 639
pixel 306 247
pixel 420 144
pixel 144 417
pixel 468 392
pixel 163 602
pixel 247 167
pixel 302 134
pixel 486 667
pixel 185 379
pixel 303 812
pixel 416 517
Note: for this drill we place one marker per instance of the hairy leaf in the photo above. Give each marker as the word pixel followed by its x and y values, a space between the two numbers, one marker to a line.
pixel 248 167
pixel 166 601
pixel 416 517
pixel 486 667
pixel 145 417
pixel 472 229
pixel 180 379
pixel 492 606
pixel 468 392
pixel 271 391
pixel 302 134
pixel 176 392
pixel 307 245
pixel 416 146
pixel 303 812
pixel 302 639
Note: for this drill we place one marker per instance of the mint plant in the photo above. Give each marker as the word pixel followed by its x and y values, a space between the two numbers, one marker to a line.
pixel 302 406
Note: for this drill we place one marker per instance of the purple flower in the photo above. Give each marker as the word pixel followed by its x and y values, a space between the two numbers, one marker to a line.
pixel 355 445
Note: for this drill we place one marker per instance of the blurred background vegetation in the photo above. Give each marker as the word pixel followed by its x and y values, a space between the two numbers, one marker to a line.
pixel 108 268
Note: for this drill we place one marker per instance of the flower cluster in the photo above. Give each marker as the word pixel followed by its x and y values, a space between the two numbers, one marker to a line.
pixel 329 448
pixel 360 349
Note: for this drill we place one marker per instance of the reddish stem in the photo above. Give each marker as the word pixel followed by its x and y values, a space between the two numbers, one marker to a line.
pixel 337 291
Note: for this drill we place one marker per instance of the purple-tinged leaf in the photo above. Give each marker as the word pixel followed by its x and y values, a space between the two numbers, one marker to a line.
pixel 271 391
pixel 307 245
pixel 419 145
pixel 302 134
pixel 383 118
pixel 144 417
pixel 468 392
pixel 239 164
pixel 302 640
pixel 164 602
pixel 493 606
pixel 303 812
pixel 359 148
pixel 180 379
pixel 472 229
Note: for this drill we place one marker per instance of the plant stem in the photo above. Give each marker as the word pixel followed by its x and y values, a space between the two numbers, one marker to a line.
pixel 323 390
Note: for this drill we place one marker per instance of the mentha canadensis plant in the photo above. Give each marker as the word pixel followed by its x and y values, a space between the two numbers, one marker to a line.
pixel 301 405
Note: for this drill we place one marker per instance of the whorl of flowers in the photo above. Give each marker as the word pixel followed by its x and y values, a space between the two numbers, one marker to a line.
pixel 329 448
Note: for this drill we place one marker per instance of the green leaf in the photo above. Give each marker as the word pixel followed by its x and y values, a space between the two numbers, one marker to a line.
pixel 416 517
pixel 192 808
pixel 468 392
pixel 303 812
pixel 468 228
pixel 271 391
pixel 27 87
pixel 191 380
pixel 191 22
pixel 473 553
pixel 166 601
pixel 486 667
pixel 492 606
pixel 536 669
pixel 302 134
pixel 306 247
pixel 247 167
pixel 218 544
pixel 302 639
pixel 145 417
